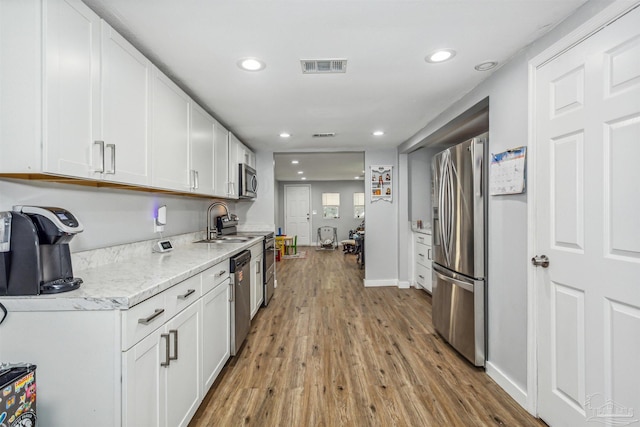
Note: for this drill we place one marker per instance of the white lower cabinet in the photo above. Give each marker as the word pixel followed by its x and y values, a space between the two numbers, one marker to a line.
pixel 142 382
pixel 422 261
pixel 150 365
pixel 216 327
pixel 256 282
pixel 162 373
pixel 182 375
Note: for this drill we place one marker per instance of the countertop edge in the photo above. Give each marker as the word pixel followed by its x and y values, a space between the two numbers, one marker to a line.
pixel 155 272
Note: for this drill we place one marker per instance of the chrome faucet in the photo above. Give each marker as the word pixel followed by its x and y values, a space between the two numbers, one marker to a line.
pixel 212 230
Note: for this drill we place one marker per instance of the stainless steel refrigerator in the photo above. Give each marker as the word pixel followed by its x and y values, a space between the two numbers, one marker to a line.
pixel 459 238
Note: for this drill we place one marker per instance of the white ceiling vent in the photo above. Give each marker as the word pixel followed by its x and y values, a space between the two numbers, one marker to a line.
pixel 323 66
pixel 324 135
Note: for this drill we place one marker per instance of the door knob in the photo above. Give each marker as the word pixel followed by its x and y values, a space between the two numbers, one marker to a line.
pixel 541 261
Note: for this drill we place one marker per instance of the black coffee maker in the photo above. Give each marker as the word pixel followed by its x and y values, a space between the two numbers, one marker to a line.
pixel 34 251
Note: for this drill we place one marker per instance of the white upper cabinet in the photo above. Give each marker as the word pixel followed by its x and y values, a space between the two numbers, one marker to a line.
pixel 126 76
pixel 245 155
pixel 234 171
pixel 170 134
pixel 72 88
pixel 221 161
pixel 202 151
pixel 78 100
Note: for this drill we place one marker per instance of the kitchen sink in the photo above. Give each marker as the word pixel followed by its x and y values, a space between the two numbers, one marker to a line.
pixel 226 239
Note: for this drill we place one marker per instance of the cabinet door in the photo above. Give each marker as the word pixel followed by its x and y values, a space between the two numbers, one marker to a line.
pixel 126 75
pixel 183 376
pixel 216 332
pixel 202 151
pixel 221 159
pixel 257 285
pixel 170 134
pixel 233 166
pixel 143 387
pixel 72 88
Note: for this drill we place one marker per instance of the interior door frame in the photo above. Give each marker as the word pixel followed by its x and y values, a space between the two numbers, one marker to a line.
pixel 584 31
pixel 308 186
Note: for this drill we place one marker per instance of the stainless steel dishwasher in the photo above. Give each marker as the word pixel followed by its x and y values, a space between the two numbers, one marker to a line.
pixel 240 299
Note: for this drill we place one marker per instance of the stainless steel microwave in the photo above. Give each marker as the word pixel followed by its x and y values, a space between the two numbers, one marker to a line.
pixel 248 181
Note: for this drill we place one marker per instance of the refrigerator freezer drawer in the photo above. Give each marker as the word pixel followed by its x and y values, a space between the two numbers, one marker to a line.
pixel 458 313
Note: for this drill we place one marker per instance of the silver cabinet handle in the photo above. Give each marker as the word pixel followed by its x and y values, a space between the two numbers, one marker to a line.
pixel 421 255
pixel 194 179
pixel 421 276
pixel 112 171
pixel 187 295
pixel 220 273
pixel 429 254
pixel 101 145
pixel 197 179
pixel 152 317
pixel 175 344
pixel 167 359
pixel 232 296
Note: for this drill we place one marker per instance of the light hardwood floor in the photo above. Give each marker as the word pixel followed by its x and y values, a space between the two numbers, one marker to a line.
pixel 329 352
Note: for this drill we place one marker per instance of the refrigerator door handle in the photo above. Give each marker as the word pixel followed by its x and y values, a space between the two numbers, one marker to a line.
pixel 464 285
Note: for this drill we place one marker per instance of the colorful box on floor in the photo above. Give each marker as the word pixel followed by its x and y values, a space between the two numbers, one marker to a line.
pixel 18 398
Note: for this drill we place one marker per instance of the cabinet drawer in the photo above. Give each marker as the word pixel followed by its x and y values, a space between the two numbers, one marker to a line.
pixel 256 250
pixel 215 275
pixel 423 276
pixel 182 295
pixel 142 319
pixel 423 239
pixel 423 254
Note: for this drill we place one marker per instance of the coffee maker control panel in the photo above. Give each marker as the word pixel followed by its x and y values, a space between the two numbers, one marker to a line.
pixel 62 218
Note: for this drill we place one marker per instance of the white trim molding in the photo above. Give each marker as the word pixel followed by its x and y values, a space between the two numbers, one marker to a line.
pixel 513 389
pixel 380 283
pixel 404 284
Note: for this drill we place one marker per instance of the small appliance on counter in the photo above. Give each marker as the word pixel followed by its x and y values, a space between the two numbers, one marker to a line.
pixel 18 385
pixel 227 224
pixel 34 251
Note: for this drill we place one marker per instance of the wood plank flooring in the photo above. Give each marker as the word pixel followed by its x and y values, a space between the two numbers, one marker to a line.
pixel 329 352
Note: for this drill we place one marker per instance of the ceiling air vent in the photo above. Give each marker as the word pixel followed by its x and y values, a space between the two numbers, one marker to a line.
pixel 324 135
pixel 323 66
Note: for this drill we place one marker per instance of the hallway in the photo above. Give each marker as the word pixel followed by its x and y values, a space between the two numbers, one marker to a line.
pixel 329 352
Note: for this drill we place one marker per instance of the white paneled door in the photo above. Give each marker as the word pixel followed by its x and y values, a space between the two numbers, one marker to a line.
pixel 587 203
pixel 297 205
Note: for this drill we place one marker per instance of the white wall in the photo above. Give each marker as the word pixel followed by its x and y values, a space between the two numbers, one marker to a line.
pixel 346 221
pixel 259 214
pixel 110 217
pixel 508 254
pixel 381 238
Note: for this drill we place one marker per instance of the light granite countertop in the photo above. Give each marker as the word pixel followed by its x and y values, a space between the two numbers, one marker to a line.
pixel 125 283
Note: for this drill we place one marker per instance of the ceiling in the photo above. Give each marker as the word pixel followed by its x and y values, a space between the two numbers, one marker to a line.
pixel 388 84
pixel 327 166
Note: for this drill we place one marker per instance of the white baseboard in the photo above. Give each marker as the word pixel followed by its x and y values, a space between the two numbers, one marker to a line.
pixel 380 283
pixel 404 284
pixel 512 389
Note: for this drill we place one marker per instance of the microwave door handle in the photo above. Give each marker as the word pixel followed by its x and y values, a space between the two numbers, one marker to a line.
pixel 254 183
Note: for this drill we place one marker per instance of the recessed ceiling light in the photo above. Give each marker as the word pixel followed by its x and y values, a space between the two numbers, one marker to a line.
pixel 251 64
pixel 485 66
pixel 356 177
pixel 300 172
pixel 285 135
pixel 303 178
pixel 378 133
pixel 440 55
pixel 294 162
